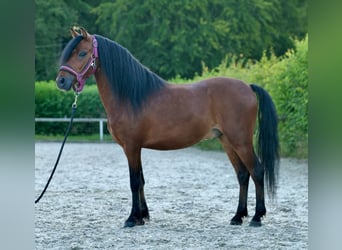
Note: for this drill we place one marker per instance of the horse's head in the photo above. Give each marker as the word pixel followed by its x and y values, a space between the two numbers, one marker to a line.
pixel 78 61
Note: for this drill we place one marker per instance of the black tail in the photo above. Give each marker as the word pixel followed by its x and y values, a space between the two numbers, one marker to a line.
pixel 268 143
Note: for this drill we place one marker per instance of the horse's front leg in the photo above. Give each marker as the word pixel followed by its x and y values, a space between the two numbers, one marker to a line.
pixel 139 207
pixel 144 208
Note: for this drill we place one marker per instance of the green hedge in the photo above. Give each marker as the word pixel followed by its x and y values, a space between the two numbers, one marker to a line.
pixel 286 79
pixel 290 92
pixel 50 102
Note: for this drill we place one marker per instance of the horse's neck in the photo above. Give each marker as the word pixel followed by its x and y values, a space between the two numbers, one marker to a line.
pixel 106 94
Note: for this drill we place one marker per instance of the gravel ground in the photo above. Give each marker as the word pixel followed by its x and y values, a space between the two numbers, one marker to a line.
pixel 191 194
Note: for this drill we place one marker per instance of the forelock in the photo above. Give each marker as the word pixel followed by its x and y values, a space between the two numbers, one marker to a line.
pixel 72 44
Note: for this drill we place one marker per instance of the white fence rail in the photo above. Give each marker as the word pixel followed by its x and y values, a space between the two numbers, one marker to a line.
pixel 99 120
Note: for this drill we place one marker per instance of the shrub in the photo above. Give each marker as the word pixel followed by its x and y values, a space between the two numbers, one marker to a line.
pixel 290 91
pixel 50 102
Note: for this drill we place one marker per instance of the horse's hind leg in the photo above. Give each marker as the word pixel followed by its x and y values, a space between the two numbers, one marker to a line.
pixel 258 178
pixel 256 171
pixel 243 178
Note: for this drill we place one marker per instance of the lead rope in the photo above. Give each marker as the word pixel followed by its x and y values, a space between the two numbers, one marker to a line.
pixel 73 110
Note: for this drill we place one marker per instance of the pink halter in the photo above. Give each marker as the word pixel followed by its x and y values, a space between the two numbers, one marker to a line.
pixel 81 79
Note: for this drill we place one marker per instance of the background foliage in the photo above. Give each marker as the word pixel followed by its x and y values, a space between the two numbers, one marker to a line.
pixel 49 102
pixel 172 37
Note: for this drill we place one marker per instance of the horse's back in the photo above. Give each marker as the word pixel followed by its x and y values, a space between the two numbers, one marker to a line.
pixel 229 97
pixel 229 88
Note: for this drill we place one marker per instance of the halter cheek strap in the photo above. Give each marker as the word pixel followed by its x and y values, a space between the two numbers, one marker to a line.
pixel 81 76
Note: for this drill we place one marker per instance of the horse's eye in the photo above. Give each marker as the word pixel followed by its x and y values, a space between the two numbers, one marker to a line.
pixel 82 54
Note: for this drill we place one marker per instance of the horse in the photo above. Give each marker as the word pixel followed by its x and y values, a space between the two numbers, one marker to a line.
pixel 146 111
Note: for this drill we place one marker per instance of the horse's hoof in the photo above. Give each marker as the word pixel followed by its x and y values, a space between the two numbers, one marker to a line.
pixel 132 223
pixel 236 222
pixel 255 223
pixel 146 217
pixel 129 224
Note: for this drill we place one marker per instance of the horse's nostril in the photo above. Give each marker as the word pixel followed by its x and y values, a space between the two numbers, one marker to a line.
pixel 64 82
pixel 61 82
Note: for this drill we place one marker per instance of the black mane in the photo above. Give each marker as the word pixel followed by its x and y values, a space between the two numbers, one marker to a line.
pixel 129 80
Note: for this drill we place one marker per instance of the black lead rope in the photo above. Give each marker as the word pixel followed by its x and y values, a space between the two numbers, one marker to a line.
pixel 73 110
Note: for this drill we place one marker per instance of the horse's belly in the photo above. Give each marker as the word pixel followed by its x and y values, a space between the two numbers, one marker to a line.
pixel 170 143
pixel 180 139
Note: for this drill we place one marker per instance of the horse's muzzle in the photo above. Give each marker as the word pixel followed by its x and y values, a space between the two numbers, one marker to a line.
pixel 65 82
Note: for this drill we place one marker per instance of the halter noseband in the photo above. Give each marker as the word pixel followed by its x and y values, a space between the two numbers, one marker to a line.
pixel 81 79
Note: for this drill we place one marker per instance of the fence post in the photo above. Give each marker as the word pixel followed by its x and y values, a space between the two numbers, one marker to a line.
pixel 101 129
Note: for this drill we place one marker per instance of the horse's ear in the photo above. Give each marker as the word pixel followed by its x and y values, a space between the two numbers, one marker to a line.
pixel 74 32
pixel 84 33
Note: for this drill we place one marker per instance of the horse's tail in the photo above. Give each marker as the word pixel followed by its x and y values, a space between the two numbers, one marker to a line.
pixel 267 139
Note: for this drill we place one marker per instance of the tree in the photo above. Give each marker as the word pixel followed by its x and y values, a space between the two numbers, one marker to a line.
pixel 174 37
pixel 52 24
